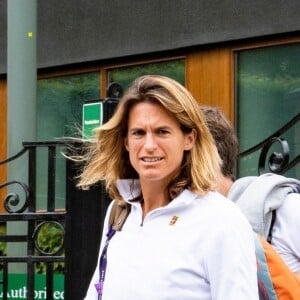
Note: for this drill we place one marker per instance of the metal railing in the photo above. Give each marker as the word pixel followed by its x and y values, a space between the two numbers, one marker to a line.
pixel 25 210
pixel 276 162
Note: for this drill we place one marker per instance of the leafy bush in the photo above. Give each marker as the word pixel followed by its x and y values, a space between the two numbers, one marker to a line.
pixel 49 240
pixel 2 244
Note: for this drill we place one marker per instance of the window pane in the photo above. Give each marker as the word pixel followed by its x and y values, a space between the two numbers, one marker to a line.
pixel 268 95
pixel 124 76
pixel 59 103
pixel 59 114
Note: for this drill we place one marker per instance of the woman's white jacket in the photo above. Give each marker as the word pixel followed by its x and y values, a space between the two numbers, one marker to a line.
pixel 195 248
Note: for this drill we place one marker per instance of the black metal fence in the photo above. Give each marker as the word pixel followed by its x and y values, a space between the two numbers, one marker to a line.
pixel 25 212
pixel 277 162
pixel 76 229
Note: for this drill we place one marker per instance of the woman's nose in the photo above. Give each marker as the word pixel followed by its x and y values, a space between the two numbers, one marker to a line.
pixel 150 142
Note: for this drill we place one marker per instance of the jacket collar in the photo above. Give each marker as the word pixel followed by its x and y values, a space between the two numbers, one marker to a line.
pixel 130 189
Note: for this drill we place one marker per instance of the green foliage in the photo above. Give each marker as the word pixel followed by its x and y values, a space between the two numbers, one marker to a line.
pixel 2 244
pixel 49 240
pixel 58 268
pixel 50 237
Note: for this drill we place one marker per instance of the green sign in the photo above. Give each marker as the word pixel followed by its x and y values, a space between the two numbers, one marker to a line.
pixel 17 288
pixel 92 117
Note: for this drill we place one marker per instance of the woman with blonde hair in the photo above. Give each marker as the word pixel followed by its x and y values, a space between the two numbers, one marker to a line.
pixel 181 239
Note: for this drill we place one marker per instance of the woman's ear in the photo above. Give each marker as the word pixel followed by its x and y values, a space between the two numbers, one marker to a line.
pixel 190 139
pixel 126 144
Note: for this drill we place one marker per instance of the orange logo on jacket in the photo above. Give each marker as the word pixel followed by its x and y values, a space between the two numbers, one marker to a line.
pixel 173 220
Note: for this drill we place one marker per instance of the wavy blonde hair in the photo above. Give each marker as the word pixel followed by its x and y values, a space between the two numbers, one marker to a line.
pixel 108 160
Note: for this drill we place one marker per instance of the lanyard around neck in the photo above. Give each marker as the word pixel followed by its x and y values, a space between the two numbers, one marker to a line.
pixel 103 263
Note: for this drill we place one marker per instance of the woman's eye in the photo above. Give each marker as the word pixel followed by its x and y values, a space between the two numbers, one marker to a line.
pixel 163 131
pixel 137 132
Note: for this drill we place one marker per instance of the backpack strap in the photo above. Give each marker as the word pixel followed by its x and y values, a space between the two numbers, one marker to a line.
pixel 269 237
pixel 118 214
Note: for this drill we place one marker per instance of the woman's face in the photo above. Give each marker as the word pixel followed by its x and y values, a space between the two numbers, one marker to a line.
pixel 155 142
